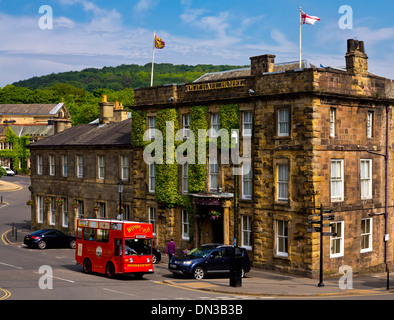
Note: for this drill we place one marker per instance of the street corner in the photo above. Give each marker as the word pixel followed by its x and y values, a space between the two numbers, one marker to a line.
pixel 6 186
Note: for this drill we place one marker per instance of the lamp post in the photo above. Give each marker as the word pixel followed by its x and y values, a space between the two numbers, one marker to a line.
pixel 120 190
pixel 236 259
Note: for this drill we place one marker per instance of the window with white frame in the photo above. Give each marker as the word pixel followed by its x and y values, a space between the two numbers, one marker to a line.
pixel 40 209
pixel 152 218
pixel 337 180
pixel 213 173
pixel 64 213
pixel 80 209
pixel 125 167
pixel 366 235
pixel 247 123
pixel 52 211
pixel 152 177
pixel 337 241
pixel 283 122
pixel 101 211
pixel 282 238
pixel 366 178
pixel 185 177
pixel 282 182
pixel 369 124
pixel 64 166
pixel 246 227
pixel 185 224
pixel 79 166
pixel 247 181
pixel 52 167
pixel 215 124
pixel 39 164
pixel 186 125
pixel 152 127
pixel 332 121
pixel 101 166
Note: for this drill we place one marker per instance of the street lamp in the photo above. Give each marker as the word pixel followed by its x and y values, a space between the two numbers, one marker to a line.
pixel 236 259
pixel 120 190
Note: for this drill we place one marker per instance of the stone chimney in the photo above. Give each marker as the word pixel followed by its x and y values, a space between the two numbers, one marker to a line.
pixel 106 110
pixel 262 64
pixel 111 111
pixel 356 58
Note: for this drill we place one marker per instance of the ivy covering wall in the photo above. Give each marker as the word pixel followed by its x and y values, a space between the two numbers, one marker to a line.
pixel 166 174
pixel 19 153
pixel 138 127
pixel 197 172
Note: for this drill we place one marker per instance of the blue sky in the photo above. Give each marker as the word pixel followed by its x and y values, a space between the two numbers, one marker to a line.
pixel 97 33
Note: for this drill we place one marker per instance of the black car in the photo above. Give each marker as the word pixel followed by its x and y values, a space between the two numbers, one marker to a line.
pixel 49 238
pixel 156 255
pixel 208 259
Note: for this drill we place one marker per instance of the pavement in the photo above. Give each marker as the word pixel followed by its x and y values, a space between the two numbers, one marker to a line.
pixel 262 283
pixel 266 283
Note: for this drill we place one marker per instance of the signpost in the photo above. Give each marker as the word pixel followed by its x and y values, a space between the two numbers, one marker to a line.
pixel 319 228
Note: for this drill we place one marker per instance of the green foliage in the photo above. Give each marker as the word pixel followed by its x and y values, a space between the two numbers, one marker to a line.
pixel 2 172
pixel 19 153
pixel 124 76
pixel 166 175
pixel 197 172
pixel 138 127
pixel 229 119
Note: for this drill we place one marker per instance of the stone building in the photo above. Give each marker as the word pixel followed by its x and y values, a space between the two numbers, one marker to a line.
pixel 34 120
pixel 77 172
pixel 317 138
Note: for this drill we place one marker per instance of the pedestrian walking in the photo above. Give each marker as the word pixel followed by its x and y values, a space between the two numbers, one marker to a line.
pixel 171 248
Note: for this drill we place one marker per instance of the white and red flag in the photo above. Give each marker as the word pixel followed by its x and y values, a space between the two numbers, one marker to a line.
pixel 307 19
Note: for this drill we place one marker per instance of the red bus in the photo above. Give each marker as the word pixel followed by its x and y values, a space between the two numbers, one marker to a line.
pixel 114 247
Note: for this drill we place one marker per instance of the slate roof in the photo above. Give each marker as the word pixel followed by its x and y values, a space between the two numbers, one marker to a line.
pixel 245 72
pixel 30 109
pixel 87 135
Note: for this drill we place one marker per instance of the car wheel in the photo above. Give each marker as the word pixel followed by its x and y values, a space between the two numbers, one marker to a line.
pixel 87 266
pixel 73 244
pixel 154 258
pixel 199 273
pixel 110 270
pixel 41 244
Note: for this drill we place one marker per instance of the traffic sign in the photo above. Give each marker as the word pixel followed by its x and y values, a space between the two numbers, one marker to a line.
pixel 314 221
pixel 313 215
pixel 329 218
pixel 332 234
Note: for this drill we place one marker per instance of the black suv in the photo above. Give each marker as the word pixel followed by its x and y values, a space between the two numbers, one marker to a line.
pixel 207 259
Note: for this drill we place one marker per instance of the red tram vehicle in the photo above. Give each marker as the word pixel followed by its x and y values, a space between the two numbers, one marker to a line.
pixel 114 247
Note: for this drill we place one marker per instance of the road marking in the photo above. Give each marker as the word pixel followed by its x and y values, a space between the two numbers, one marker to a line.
pixel 62 279
pixel 4 237
pixel 128 294
pixel 7 294
pixel 10 265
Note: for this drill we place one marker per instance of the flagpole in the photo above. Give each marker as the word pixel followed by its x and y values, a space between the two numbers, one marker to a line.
pixel 300 33
pixel 153 58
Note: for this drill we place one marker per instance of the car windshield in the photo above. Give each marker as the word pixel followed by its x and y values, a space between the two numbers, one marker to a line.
pixel 199 252
pixel 134 247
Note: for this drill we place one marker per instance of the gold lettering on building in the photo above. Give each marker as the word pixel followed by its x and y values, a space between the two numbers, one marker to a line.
pixel 215 85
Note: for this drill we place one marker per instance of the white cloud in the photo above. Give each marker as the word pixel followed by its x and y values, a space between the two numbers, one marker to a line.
pixel 145 5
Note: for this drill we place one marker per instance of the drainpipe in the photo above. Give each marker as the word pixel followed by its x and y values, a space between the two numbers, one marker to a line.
pixel 386 213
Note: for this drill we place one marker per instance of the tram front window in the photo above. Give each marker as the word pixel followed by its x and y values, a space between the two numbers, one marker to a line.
pixel 138 247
